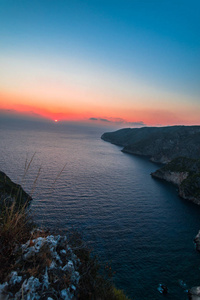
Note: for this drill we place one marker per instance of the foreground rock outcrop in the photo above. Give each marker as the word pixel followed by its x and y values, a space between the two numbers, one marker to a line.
pixel 194 293
pixel 46 267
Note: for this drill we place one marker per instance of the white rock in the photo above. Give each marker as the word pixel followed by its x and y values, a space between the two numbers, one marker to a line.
pixel 15 278
pixel 69 266
pixel 73 287
pixel 2 287
pixel 39 242
pixel 65 295
pixel 53 265
pixel 31 284
pixel 46 280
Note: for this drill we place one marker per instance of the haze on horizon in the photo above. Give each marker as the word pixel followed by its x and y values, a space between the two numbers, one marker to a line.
pixel 109 62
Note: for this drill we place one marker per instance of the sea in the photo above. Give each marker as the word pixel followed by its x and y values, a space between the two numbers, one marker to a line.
pixel 135 223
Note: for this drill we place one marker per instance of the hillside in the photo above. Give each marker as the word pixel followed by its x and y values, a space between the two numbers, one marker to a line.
pixel 161 144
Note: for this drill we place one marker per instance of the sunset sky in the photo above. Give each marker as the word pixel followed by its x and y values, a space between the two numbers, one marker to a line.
pixel 121 62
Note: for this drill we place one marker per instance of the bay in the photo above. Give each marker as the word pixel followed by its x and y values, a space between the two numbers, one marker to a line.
pixel 136 223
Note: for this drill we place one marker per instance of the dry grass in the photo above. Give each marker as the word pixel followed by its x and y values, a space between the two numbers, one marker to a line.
pixel 15 228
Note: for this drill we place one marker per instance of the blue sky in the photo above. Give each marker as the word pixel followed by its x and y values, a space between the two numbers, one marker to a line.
pixel 133 49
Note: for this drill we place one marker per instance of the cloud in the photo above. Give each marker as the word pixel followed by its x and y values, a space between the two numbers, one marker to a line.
pixel 104 120
pixel 99 119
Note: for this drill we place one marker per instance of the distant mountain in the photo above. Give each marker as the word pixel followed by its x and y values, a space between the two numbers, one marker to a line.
pixel 161 144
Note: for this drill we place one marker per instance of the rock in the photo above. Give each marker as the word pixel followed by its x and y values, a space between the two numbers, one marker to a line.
pixel 162 289
pixel 197 241
pixel 69 267
pixel 170 176
pixel 15 278
pixel 194 293
pixel 3 291
pixel 42 275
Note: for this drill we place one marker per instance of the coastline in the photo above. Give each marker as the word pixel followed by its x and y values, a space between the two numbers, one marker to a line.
pixel 184 172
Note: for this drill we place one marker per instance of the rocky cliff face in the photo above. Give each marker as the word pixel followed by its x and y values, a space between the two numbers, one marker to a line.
pixel 185 173
pixel 173 177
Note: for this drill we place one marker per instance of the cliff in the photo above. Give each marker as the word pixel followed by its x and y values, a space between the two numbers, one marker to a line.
pixel 185 173
pixel 161 144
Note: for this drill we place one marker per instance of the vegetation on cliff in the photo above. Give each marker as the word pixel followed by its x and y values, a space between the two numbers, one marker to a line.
pixel 161 144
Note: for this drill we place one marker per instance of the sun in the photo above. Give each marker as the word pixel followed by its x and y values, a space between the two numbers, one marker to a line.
pixel 55 120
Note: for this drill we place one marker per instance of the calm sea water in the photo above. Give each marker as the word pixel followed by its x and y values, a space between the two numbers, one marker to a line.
pixel 131 220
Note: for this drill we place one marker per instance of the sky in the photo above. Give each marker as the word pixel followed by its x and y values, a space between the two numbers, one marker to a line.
pixel 133 63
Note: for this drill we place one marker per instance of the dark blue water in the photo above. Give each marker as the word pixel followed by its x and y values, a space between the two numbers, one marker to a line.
pixel 131 220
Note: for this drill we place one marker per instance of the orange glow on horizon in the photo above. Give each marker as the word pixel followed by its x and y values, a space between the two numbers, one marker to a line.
pixel 110 114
